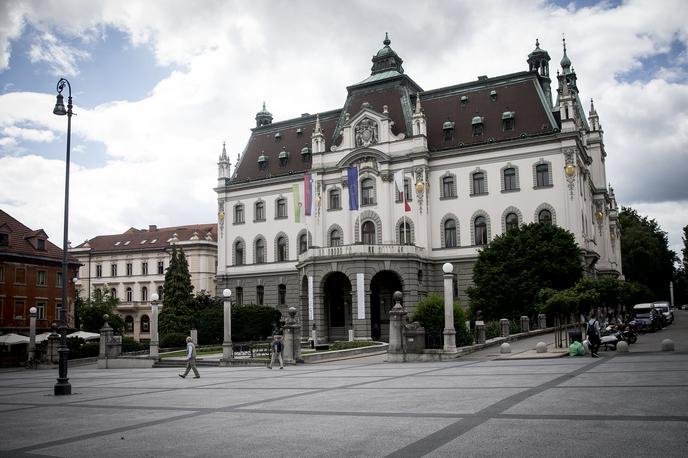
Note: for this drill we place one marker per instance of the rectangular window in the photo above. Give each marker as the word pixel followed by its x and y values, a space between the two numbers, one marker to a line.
pixel 99 270
pixel 2 274
pixel 478 183
pixel 240 295
pixel 58 311
pixel 238 214
pixel 4 239
pixel 40 311
pixel 40 244
pixel 41 278
pixel 334 200
pixel 20 275
pixel 59 279
pixel 509 179
pixel 113 270
pixel 144 268
pixel 19 306
pixel 542 175
pixel 130 269
pixel 260 293
pixel 161 267
pixel 281 208
pixel 260 211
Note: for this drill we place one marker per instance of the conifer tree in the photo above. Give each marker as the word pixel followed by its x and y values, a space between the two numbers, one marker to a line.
pixel 176 315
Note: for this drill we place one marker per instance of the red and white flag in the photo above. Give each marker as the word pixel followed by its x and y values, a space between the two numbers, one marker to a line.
pixel 399 182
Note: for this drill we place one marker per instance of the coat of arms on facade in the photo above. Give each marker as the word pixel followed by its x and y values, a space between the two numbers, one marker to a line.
pixel 366 133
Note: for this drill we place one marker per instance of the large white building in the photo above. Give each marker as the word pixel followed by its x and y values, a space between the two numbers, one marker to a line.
pixel 132 267
pixel 475 159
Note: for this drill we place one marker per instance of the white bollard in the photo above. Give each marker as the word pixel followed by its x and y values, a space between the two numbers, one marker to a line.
pixel 541 347
pixel 351 335
pixel 622 347
pixel 505 348
pixel 667 345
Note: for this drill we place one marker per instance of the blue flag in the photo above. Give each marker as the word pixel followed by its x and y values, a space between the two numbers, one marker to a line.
pixel 353 187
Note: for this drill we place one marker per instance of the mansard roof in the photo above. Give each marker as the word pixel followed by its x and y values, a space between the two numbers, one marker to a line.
pixel 520 94
pixel 153 238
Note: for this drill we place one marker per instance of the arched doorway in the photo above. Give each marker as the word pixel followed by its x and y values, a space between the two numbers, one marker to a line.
pixel 382 288
pixel 337 300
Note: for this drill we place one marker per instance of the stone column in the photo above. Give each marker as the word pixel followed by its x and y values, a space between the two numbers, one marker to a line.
pixel 292 344
pixel 525 324
pixel 154 340
pixel 449 331
pixel 480 332
pixel 32 332
pixel 106 333
pixel 397 317
pixel 504 327
pixel 227 348
pixel 53 344
pixel 542 321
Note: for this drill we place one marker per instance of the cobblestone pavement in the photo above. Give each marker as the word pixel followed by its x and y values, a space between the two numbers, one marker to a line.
pixel 633 404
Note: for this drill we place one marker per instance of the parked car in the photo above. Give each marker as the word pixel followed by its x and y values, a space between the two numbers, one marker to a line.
pixel 684 307
pixel 666 310
pixel 647 318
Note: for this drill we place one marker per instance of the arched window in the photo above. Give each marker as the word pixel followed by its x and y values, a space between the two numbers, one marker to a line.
pixel 303 243
pixel 335 238
pixel 129 323
pixel 260 251
pixel 480 228
pixel 450 233
pixel 281 294
pixel 260 211
pixel 368 230
pixel 160 291
pixel 130 295
pixel 405 233
pixel 510 179
pixel 545 217
pixel 260 294
pixel 511 221
pixel 239 253
pixel 145 323
pixel 282 249
pixel 367 191
pixel 542 175
pixel 144 294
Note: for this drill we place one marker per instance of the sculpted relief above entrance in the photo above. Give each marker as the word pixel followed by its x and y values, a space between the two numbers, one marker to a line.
pixel 366 133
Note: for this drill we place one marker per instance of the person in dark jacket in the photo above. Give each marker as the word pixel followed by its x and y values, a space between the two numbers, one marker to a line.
pixel 277 346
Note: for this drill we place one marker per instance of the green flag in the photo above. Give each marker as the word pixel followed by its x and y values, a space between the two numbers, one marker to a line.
pixel 297 203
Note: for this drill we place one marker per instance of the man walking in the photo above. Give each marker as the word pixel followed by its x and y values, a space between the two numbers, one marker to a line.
pixel 190 358
pixel 593 333
pixel 277 348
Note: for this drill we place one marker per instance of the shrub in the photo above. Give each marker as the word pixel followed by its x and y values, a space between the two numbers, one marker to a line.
pixel 430 314
pixel 78 348
pixel 345 345
pixel 129 344
pixel 492 330
pixel 254 322
pixel 173 340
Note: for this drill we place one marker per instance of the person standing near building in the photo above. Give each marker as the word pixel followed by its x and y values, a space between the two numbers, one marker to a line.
pixel 277 348
pixel 190 359
pixel 593 333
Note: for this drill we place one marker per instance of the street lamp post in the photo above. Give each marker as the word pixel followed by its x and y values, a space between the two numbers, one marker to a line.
pixel 227 350
pixel 449 331
pixel 154 352
pixel 63 386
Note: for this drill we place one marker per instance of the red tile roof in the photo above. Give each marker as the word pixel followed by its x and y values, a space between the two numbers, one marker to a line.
pixel 22 240
pixel 148 239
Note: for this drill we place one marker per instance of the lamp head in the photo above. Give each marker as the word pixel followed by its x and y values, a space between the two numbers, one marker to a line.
pixel 60 109
pixel 448 268
pixel 227 293
pixel 33 310
pixel 155 297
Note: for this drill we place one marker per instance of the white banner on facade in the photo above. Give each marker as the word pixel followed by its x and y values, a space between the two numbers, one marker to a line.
pixel 360 296
pixel 310 298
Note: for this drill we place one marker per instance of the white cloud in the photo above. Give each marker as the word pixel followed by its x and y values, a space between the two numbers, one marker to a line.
pixel 34 135
pixel 300 56
pixel 62 58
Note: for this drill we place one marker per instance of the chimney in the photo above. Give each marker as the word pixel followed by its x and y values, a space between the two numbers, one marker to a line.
pixel 152 227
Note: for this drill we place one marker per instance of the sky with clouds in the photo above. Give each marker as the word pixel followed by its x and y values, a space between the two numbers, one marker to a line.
pixel 158 86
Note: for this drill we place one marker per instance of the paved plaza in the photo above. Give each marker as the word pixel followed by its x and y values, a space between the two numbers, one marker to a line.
pixel 633 404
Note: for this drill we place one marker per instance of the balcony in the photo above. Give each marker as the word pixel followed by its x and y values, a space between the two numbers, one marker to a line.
pixel 359 250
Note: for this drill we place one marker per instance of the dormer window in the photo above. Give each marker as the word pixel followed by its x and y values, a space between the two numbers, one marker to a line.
pixel 508 120
pixel 478 124
pixel 448 129
pixel 283 157
pixel 306 154
pixel 4 239
pixel 299 131
pixel 262 161
pixel 278 136
pixel 493 95
pixel 40 244
pixel 464 99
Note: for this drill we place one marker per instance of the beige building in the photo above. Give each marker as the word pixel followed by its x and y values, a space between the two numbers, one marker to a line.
pixel 132 267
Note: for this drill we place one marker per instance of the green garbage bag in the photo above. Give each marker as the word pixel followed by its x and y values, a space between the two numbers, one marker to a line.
pixel 576 349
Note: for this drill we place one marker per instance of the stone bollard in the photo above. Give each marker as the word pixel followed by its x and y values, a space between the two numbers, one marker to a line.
pixel 292 339
pixel 397 319
pixel 541 347
pixel 667 345
pixel 525 324
pixel 504 327
pixel 53 344
pixel 480 332
pixel 505 348
pixel 622 347
pixel 106 333
pixel 542 321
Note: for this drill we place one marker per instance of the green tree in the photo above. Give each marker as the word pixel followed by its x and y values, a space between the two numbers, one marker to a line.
pixel 254 322
pixel 176 314
pixel 430 314
pixel 645 253
pixel 91 312
pixel 208 318
pixel 512 269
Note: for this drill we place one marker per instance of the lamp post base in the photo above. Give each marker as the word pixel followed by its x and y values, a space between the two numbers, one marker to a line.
pixel 63 387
